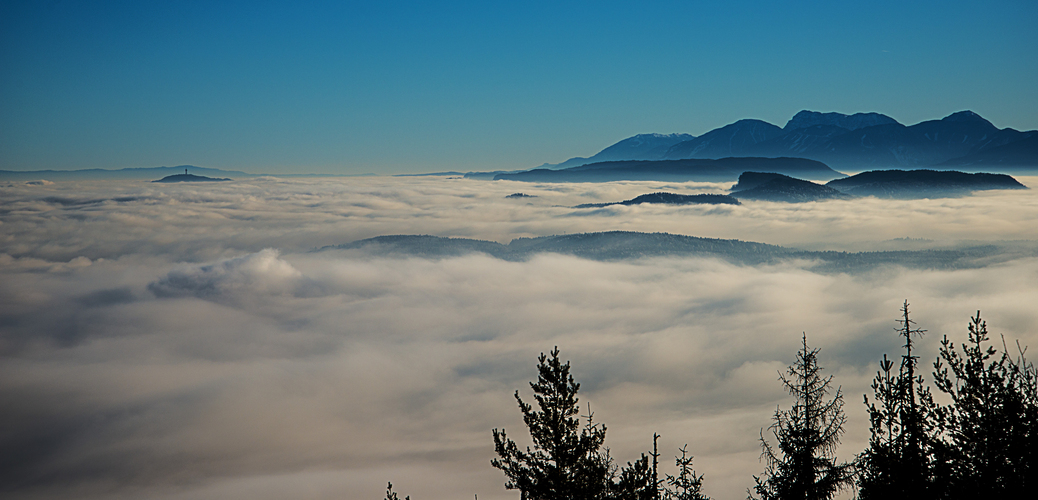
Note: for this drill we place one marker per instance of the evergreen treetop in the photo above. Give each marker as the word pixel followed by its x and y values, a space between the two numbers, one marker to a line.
pixel 803 466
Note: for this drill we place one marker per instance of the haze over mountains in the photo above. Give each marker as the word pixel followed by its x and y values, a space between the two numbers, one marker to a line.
pixel 722 169
pixel 921 183
pixel 618 245
pixel 638 147
pixel 861 141
pixel 858 142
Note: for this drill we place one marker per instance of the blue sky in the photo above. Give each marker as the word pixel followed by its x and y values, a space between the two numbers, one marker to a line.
pixel 392 87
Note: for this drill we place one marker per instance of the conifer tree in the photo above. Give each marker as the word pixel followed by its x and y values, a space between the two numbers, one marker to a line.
pixel 992 421
pixel 635 482
pixel 904 455
pixel 639 480
pixel 803 465
pixel 566 461
pixel 391 495
pixel 686 485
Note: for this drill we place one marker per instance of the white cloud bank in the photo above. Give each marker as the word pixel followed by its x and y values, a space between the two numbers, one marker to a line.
pixel 156 345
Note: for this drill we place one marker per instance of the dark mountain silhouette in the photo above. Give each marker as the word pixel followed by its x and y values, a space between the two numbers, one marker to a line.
pixel 891 144
pixel 724 169
pixel 921 183
pixel 736 139
pixel 750 180
pixel 805 119
pixel 670 199
pixel 617 245
pixel 638 147
pixel 1011 156
pixel 923 144
pixel 799 142
pixel 778 187
pixel 861 141
pixel 189 178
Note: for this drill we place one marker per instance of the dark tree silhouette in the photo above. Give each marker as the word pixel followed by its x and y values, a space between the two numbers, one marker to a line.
pixel 904 458
pixel 635 482
pixel 686 485
pixel 803 466
pixel 992 422
pixel 566 461
pixel 391 495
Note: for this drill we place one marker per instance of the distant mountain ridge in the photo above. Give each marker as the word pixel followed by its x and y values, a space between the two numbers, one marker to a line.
pixel 1014 153
pixel 145 173
pixel 856 142
pixel 136 173
pixel 733 140
pixel 670 199
pixel 638 147
pixel 806 118
pixel 723 169
pixel 190 178
pixel 617 245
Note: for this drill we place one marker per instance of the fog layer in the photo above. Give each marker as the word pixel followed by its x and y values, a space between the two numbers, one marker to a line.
pixel 183 342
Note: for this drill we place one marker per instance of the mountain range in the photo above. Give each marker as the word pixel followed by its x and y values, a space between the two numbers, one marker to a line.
pixel 862 141
pixel 723 169
pixel 639 147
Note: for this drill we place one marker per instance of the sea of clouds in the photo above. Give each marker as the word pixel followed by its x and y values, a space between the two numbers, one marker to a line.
pixel 185 342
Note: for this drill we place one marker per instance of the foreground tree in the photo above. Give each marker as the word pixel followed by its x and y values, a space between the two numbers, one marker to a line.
pixel 904 458
pixel 567 460
pixel 391 495
pixel 803 466
pixel 992 421
pixel 686 485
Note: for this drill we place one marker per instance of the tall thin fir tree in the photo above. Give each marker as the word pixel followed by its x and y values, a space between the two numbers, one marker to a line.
pixel 639 480
pixel 904 454
pixel 802 465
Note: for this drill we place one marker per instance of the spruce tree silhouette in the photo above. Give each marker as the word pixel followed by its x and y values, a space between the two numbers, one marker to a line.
pixel 992 422
pixel 905 457
pixel 803 466
pixel 686 485
pixel 391 495
pixel 566 461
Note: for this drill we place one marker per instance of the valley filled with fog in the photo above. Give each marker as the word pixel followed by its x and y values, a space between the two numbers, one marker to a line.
pixel 211 341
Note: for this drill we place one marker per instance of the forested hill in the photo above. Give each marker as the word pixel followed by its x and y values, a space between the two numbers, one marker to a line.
pixel 618 245
pixel 920 183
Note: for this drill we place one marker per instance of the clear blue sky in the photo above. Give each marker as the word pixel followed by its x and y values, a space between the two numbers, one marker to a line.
pixel 386 87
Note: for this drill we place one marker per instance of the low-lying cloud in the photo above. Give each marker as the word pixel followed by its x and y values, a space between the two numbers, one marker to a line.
pixel 187 345
pixel 259 273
